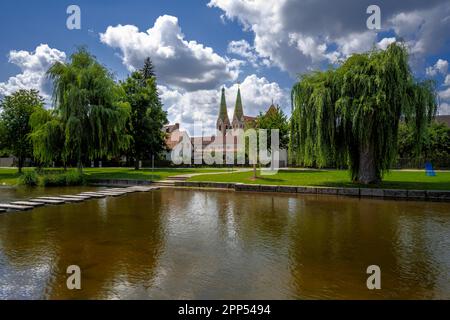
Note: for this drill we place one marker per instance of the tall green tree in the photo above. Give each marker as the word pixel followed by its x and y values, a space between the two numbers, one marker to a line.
pixel 351 114
pixel 90 107
pixel 147 116
pixel 3 139
pixel 47 136
pixel 148 70
pixel 15 116
pixel 274 118
pixel 436 147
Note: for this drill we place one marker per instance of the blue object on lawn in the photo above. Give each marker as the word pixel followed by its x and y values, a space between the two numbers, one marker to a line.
pixel 429 169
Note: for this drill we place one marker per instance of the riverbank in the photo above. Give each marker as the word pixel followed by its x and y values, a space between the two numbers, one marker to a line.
pixel 10 176
pixel 395 179
pixel 401 194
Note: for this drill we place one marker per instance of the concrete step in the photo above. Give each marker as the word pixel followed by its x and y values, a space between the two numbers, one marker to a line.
pixel 92 195
pixel 144 189
pixel 177 178
pixel 8 206
pixel 86 197
pixel 70 199
pixel 2 210
pixel 52 198
pixel 112 194
pixel 165 182
pixel 28 203
pixel 47 201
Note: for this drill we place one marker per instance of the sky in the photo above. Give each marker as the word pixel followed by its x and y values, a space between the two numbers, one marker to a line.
pixel 199 47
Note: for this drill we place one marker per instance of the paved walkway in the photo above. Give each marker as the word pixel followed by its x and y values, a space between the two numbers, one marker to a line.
pixel 190 175
pixel 171 180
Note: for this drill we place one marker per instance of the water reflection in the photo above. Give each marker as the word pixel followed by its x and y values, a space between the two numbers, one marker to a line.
pixel 186 244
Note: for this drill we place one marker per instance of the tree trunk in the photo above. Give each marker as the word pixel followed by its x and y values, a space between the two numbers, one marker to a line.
pixel 367 173
pixel 136 164
pixel 20 163
pixel 79 163
pixel 254 171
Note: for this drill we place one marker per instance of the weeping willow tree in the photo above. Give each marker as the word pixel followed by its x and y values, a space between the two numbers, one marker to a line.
pixel 350 115
pixel 47 136
pixel 88 103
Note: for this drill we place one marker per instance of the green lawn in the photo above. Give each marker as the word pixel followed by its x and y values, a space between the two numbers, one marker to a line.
pixel 9 176
pixel 396 179
pixel 143 174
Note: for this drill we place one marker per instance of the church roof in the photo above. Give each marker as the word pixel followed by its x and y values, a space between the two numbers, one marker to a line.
pixel 272 109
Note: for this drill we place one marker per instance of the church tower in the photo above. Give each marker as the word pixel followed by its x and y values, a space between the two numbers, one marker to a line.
pixel 238 116
pixel 223 123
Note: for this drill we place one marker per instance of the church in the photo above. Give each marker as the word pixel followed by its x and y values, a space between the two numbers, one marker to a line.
pixel 239 119
pixel 223 123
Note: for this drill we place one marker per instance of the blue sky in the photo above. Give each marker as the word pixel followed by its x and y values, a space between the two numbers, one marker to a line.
pixel 200 46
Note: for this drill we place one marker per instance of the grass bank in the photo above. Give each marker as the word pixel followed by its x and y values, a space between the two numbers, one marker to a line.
pixel 10 176
pixel 395 179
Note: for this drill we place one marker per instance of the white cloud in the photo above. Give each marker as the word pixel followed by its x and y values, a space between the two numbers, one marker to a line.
pixel 356 42
pixel 385 42
pixel 447 80
pixel 301 35
pixel 202 106
pixel 180 63
pixel 257 94
pixel 33 66
pixel 445 94
pixel 440 67
pixel 444 108
pixel 244 49
pixel 423 29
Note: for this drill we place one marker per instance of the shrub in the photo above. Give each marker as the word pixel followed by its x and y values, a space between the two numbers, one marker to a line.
pixel 29 178
pixel 74 178
pixel 70 178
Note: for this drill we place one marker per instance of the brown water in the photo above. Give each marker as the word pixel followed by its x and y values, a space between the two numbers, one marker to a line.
pixel 185 244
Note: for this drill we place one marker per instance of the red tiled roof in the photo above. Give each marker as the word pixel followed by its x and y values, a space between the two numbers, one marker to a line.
pixel 202 140
pixel 443 119
pixel 249 118
pixel 171 127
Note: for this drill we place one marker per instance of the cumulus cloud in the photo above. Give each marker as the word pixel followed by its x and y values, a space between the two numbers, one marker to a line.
pixel 444 108
pixel 300 35
pixel 385 42
pixel 243 49
pixel 33 66
pixel 184 64
pixel 440 67
pixel 445 94
pixel 424 29
pixel 447 80
pixel 202 106
pixel 257 95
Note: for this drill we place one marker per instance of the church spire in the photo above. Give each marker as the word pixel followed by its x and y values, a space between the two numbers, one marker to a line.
pixel 222 121
pixel 238 111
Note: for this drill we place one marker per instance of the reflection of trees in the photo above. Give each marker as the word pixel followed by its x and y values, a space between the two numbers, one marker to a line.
pixel 114 241
pixel 333 240
pixel 249 244
pixel 261 216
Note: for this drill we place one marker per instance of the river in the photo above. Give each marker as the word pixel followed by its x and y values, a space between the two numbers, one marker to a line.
pixel 197 244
